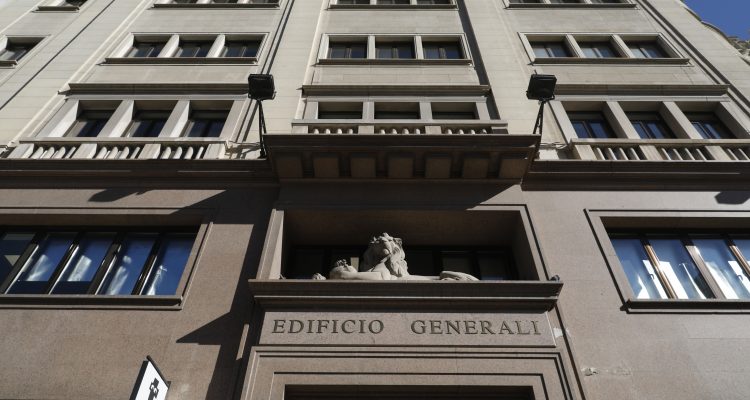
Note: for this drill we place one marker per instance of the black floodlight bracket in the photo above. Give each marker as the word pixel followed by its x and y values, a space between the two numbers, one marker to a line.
pixel 541 88
pixel 261 87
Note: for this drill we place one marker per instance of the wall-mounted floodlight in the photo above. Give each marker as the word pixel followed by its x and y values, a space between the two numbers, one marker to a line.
pixel 261 87
pixel 542 89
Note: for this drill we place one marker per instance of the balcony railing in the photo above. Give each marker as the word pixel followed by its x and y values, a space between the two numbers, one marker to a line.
pixel 395 127
pixel 119 149
pixel 661 150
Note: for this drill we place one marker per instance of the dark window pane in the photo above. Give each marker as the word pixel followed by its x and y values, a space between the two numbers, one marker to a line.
pixel 12 246
pixel 598 49
pixel 306 263
pixel 89 124
pixel 457 261
pixel 205 124
pixel 170 263
pixel 34 278
pixel 128 265
pixel 591 125
pixel 147 123
pixel 709 126
pixel 421 262
pixel 85 260
pixel 494 267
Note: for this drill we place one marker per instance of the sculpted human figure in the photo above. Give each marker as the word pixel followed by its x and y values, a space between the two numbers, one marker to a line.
pixel 385 260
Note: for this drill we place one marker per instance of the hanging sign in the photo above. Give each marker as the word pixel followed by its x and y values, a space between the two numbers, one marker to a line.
pixel 151 384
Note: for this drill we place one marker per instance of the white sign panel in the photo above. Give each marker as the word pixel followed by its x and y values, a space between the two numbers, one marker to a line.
pixel 151 384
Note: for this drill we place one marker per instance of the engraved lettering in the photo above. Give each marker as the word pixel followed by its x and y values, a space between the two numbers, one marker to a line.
pixel 335 326
pixel 470 327
pixel 536 329
pixel 322 323
pixel 504 328
pixel 376 326
pixel 344 325
pixel 520 331
pixel 298 323
pixel 435 328
pixel 361 326
pixel 309 326
pixel 486 327
pixel 278 326
pixel 418 327
pixel 452 325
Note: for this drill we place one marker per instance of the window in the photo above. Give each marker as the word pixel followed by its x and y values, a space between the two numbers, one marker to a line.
pixel 603 49
pixel 525 1
pixel 193 48
pixel 205 123
pixel 606 1
pixel 650 125
pixel 397 111
pixel 89 123
pixel 146 49
pixel 15 49
pixel 239 48
pixel 709 126
pixel 147 123
pixel 353 2
pixel 442 50
pixel 339 110
pixel 395 50
pixel 93 261
pixel 650 49
pixel 483 263
pixel 685 266
pixel 591 125
pixel 347 50
pixel 464 111
pixel 550 49
pixel 434 2
pixel 393 2
pixel 566 1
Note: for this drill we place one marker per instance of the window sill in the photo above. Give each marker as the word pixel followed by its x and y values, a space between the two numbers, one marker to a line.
pixel 375 61
pixel 408 295
pixel 91 302
pixel 581 5
pixel 393 6
pixel 58 8
pixel 610 61
pixel 180 60
pixel 8 63
pixel 216 5
pixel 711 306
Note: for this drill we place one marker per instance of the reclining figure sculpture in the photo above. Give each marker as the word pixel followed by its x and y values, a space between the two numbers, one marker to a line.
pixel 385 260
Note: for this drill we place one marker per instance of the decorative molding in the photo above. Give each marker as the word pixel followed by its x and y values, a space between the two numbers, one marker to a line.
pixel 396 90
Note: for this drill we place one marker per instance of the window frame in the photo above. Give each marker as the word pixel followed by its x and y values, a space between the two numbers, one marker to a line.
pixel 167 4
pixel 618 42
pixel 194 221
pixel 35 42
pixel 372 40
pixel 373 4
pixel 605 221
pixel 172 41
pixel 581 4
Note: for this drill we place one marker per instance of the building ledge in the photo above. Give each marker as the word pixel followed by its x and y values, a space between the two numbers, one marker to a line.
pixel 703 306
pixel 90 302
pixel 180 60
pixel 577 89
pixel 566 5
pixel 393 6
pixel 405 295
pixel 215 5
pixel 478 157
pixel 392 61
pixel 396 90
pixel 58 8
pixel 610 61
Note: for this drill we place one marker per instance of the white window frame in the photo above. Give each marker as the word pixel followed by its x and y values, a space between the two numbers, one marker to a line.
pixel 172 41
pixel 209 4
pixel 60 5
pixel 371 56
pixel 618 40
pixel 36 40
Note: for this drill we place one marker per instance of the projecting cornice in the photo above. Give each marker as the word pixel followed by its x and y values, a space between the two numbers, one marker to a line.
pixel 161 88
pixel 396 90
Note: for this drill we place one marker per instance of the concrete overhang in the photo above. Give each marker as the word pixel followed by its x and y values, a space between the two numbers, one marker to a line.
pixel 495 157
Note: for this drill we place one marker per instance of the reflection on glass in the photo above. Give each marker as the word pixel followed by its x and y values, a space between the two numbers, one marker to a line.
pixel 681 272
pixel 42 263
pixel 128 264
pixel 724 267
pixel 87 256
pixel 165 276
pixel 457 261
pixel 12 245
pixel 493 267
pixel 641 275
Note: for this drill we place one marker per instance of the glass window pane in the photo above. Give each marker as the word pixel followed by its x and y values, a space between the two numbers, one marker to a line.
pixel 431 52
pixel 34 277
pixel 580 128
pixel 167 271
pixel 86 259
pixel 494 266
pixel 129 262
pixel 336 51
pixel 12 245
pixel 540 50
pixel 457 261
pixel 358 51
pixel 600 130
pixel 558 50
pixel 724 267
pixel 637 266
pixel 421 262
pixel 306 263
pixel 680 270
pixel 214 130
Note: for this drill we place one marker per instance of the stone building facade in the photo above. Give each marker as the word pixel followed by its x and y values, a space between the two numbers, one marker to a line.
pixel 139 218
